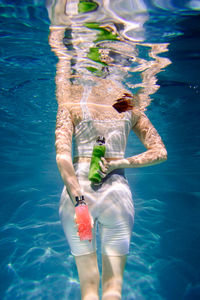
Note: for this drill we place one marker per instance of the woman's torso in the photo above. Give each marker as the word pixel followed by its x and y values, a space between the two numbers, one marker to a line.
pixel 92 120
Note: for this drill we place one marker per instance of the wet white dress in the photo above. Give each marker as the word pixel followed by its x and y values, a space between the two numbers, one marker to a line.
pixel 110 203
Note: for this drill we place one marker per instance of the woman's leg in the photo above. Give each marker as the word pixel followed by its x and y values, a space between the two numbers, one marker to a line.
pixel 88 275
pixel 112 276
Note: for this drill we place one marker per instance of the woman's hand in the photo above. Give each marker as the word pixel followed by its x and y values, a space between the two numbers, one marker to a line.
pixel 105 168
pixel 108 166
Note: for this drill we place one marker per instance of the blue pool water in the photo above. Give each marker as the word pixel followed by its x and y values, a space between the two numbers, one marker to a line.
pixel 36 263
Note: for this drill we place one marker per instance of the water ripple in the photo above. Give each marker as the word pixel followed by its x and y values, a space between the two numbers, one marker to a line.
pixel 36 261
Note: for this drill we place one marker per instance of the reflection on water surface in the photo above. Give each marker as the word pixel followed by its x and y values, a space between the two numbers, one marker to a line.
pixel 94 42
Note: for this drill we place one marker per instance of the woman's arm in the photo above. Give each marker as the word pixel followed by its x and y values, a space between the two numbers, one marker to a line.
pixel 64 132
pixel 64 125
pixel 155 153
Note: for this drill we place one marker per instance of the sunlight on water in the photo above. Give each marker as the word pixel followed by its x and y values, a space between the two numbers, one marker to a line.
pixel 123 42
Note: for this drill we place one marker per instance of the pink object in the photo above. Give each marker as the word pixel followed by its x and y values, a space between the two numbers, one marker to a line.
pixel 84 222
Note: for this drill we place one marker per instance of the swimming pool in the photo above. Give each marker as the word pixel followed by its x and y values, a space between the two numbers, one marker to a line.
pixel 35 260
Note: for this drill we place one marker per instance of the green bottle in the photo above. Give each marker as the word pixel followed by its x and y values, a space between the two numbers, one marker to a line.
pixel 99 150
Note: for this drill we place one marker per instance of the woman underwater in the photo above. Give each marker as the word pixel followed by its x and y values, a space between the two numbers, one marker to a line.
pixel 86 111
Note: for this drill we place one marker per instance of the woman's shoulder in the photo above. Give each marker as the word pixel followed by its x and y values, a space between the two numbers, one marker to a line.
pixel 136 114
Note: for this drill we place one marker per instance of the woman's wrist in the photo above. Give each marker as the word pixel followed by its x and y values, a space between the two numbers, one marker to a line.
pixel 74 196
pixel 119 164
